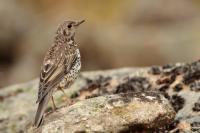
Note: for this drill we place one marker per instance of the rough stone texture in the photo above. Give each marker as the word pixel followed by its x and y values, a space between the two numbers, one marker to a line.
pixel 112 113
pixel 179 83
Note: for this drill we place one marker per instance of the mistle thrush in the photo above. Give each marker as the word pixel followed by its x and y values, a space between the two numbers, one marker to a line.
pixel 60 67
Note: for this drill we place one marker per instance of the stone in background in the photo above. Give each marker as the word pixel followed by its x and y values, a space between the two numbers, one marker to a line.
pixel 116 33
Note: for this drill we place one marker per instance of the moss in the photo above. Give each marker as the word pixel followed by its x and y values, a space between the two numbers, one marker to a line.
pixel 119 111
pixel 13 128
pixel 124 109
pixel 59 99
pixel 29 90
pixel 19 90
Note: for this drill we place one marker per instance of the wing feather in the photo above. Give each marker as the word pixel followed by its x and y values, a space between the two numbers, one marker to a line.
pixel 54 69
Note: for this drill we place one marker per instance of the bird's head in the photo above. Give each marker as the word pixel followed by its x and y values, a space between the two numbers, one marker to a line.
pixel 68 28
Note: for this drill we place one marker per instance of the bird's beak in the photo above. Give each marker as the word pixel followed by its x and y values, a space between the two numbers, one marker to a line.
pixel 79 22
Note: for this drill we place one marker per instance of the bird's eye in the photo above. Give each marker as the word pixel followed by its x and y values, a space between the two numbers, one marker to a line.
pixel 69 26
pixel 64 32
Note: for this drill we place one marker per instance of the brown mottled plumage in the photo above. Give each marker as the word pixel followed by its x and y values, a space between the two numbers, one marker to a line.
pixel 60 67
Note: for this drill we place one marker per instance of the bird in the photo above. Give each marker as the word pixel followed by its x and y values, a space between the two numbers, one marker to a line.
pixel 61 66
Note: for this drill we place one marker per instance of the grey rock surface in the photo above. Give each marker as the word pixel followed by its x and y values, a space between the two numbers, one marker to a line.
pixel 142 111
pixel 179 83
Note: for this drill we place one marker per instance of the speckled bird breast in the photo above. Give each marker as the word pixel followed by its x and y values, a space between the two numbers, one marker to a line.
pixel 73 73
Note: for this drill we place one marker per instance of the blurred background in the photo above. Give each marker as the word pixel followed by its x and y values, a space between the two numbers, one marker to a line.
pixel 117 33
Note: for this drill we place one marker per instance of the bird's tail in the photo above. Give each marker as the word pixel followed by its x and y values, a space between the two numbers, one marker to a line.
pixel 40 110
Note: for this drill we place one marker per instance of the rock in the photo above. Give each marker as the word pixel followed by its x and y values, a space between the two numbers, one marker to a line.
pixel 143 111
pixel 179 83
pixel 17 106
pixel 144 25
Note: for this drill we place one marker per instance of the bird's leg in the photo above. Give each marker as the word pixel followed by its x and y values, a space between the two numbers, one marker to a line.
pixel 53 103
pixel 66 97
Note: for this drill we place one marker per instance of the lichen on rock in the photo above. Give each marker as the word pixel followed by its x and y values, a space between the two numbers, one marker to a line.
pixel 178 83
pixel 112 113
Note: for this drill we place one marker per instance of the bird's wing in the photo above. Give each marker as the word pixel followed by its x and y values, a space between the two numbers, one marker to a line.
pixel 56 64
